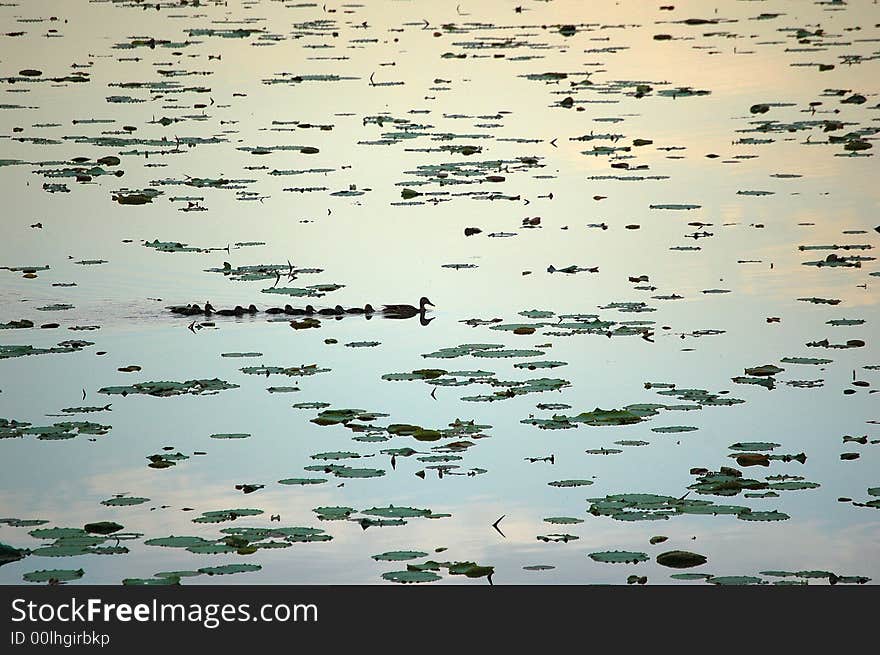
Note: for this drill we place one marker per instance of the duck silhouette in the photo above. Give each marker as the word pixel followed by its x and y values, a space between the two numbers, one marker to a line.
pixel 278 310
pixel 366 309
pixel 308 310
pixel 406 311
pixel 332 311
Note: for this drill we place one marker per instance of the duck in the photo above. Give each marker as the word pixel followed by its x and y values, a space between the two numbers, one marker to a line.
pixel 406 311
pixel 238 311
pixel 276 310
pixel 335 311
pixel 308 310
pixel 366 309
pixel 186 310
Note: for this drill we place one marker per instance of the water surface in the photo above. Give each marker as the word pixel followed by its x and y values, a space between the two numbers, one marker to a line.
pixel 659 185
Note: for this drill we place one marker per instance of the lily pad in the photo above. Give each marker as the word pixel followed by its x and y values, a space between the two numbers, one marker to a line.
pixel 619 557
pixel 680 559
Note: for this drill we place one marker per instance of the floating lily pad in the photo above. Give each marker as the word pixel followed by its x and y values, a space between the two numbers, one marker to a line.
pixel 228 569
pixel 57 575
pixel 165 389
pixel 570 483
pixel 408 577
pixel 619 557
pixel 680 559
pixel 399 555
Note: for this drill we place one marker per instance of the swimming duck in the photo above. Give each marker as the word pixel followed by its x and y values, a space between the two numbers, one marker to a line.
pixel 335 311
pixel 366 309
pixel 308 310
pixel 275 310
pixel 238 311
pixel 186 310
pixel 406 311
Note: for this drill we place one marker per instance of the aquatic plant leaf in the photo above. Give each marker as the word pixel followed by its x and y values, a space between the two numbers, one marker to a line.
pixel 680 559
pixel 399 555
pixel 408 577
pixel 619 557
pixel 228 569
pixel 56 575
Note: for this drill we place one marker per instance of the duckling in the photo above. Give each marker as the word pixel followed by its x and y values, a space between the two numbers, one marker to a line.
pixel 252 309
pixel 366 309
pixel 275 310
pixel 406 311
pixel 185 310
pixel 238 311
pixel 335 311
pixel 308 310
pixel 209 308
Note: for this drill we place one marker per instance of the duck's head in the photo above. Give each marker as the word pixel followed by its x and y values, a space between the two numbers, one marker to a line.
pixel 368 309
pixel 424 301
pixel 252 309
pixel 288 308
pixel 208 307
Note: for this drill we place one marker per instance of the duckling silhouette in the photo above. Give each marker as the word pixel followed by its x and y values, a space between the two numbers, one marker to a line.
pixel 275 310
pixel 334 311
pixel 406 311
pixel 366 309
pixel 238 311
pixel 308 310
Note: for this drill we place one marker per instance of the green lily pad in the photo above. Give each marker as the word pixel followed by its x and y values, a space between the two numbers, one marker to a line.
pixel 399 555
pixel 557 538
pixel 763 516
pixel 165 389
pixel 121 501
pixel 734 580
pixel 754 445
pixel 619 557
pixel 177 542
pixel 228 569
pixel 408 577
pixel 333 513
pixel 806 360
pixel 393 512
pixel 60 575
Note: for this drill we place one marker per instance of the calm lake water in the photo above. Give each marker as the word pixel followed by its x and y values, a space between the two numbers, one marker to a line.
pixel 648 235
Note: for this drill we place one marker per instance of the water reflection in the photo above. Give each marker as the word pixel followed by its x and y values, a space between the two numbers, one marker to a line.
pixel 649 233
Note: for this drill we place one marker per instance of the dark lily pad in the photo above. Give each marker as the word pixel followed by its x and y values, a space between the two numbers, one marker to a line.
pixel 680 559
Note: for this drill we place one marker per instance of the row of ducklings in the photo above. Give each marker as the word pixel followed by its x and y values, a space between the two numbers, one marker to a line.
pixel 393 311
pixel 309 310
